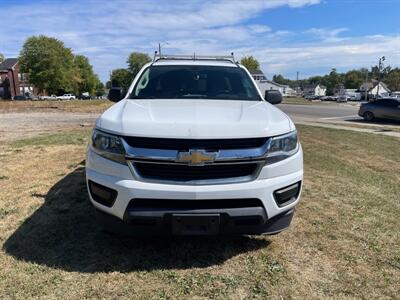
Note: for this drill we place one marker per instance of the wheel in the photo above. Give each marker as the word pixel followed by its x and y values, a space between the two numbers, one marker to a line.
pixel 368 116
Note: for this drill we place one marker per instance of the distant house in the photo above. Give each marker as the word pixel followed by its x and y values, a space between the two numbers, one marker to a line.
pixel 257 75
pixel 284 89
pixel 12 81
pixel 374 87
pixel 314 90
pixel 264 84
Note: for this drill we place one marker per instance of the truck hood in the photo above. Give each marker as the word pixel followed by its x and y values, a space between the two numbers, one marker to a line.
pixel 192 118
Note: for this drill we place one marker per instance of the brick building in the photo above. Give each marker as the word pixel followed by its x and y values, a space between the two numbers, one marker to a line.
pixel 13 82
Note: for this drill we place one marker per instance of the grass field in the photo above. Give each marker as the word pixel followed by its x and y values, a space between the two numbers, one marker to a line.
pixel 343 243
pixel 55 105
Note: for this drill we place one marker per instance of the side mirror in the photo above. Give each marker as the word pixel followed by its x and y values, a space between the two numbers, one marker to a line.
pixel 273 96
pixel 116 94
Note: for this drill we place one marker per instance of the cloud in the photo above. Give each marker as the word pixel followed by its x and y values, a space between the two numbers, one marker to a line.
pixel 321 57
pixel 328 35
pixel 107 31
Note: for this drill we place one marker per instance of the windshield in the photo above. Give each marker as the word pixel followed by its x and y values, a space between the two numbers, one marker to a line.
pixel 195 82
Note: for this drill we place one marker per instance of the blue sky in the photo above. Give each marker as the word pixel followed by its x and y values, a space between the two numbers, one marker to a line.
pixel 309 36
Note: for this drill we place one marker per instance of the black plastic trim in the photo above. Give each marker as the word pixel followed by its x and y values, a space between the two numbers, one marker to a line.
pixel 113 194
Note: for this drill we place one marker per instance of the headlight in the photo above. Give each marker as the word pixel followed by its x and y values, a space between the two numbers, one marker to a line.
pixel 282 147
pixel 108 146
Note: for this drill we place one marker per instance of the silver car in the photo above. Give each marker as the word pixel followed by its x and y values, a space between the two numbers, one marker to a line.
pixel 380 109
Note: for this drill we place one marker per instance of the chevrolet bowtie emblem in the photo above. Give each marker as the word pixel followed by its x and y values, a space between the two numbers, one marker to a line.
pixel 196 157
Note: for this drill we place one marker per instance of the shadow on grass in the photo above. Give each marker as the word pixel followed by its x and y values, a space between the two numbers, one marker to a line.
pixel 62 234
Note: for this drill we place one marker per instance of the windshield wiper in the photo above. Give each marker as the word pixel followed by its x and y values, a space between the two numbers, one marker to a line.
pixel 146 97
pixel 193 96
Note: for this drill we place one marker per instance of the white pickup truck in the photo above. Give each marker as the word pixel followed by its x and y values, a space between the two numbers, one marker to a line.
pixel 49 97
pixel 66 97
pixel 193 148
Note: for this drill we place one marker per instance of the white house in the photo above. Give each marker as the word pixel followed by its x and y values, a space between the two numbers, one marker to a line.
pixel 264 84
pixel 257 75
pixel 314 90
pixel 375 88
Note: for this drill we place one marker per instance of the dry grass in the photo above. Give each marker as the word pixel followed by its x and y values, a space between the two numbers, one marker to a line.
pixel 343 243
pixel 84 106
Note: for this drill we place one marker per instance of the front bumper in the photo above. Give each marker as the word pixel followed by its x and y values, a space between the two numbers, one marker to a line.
pixel 162 226
pixel 121 218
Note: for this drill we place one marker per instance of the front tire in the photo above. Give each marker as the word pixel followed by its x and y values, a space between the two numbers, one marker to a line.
pixel 368 116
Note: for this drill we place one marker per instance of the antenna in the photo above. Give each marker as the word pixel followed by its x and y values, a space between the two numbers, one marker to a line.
pixel 234 61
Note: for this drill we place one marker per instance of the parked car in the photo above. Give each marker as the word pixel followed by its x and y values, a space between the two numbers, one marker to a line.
pixel 380 109
pixel 85 97
pixel 66 97
pixel 395 95
pixel 328 98
pixel 21 97
pixel 355 97
pixel 193 148
pixel 51 97
pixel 342 98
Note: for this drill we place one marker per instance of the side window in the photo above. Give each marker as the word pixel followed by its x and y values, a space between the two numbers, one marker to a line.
pixel 144 80
pixel 383 103
pixel 248 86
pixel 389 103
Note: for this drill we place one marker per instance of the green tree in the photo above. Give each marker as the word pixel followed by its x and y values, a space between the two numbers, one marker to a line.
pixel 250 63
pixel 393 80
pixel 353 79
pixel 100 89
pixel 120 78
pixel 375 73
pixel 1 57
pixel 315 80
pixel 48 63
pixel 280 79
pixel 85 79
pixel 332 81
pixel 136 61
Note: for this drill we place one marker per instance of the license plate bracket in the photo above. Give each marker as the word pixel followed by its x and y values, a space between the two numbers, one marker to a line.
pixel 195 224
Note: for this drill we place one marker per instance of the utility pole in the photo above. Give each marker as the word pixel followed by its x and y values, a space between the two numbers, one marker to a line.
pixel 366 85
pixel 297 83
pixel 159 47
pixel 380 66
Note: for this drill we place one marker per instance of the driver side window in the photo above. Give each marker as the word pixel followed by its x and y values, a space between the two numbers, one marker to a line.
pixel 143 82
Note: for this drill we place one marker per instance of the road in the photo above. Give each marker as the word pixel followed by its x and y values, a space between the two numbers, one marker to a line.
pixel 339 116
pixel 321 112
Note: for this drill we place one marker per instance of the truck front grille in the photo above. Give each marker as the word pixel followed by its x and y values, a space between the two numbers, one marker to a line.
pixel 185 173
pixel 230 160
pixel 186 144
